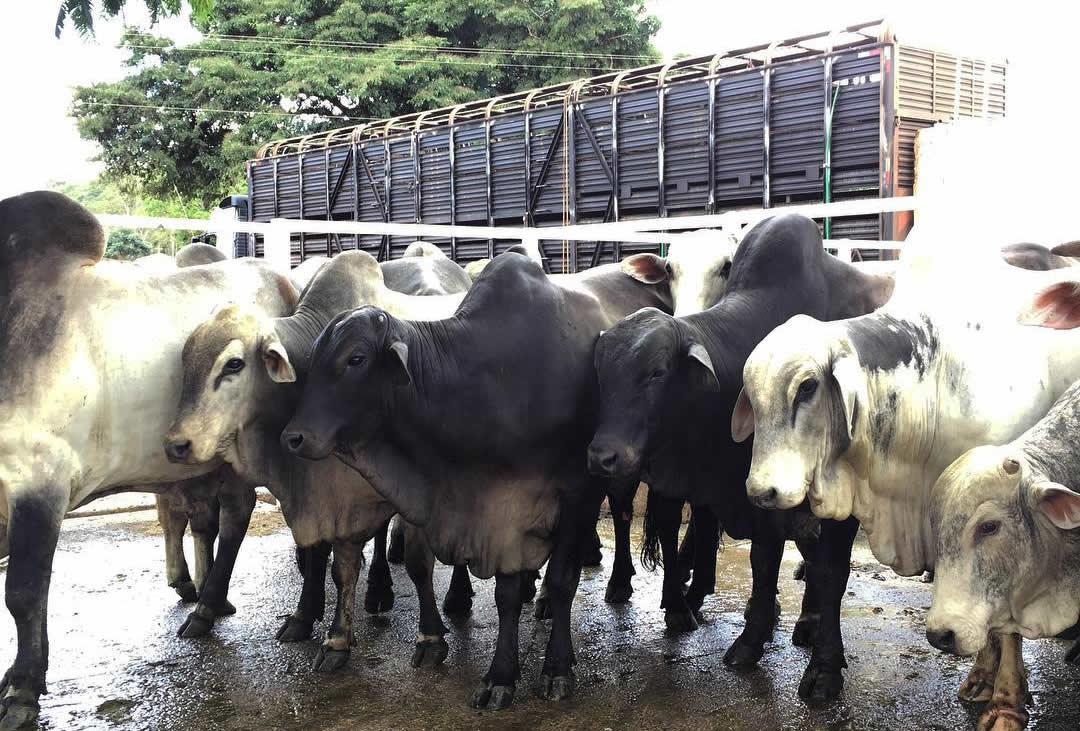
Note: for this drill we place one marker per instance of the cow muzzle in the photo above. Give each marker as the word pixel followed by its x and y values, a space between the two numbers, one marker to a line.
pixel 769 494
pixel 179 451
pixel 608 458
pixel 305 445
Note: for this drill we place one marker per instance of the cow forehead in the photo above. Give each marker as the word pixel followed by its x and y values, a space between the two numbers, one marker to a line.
pixel 796 348
pixel 974 478
pixel 233 323
pixel 642 334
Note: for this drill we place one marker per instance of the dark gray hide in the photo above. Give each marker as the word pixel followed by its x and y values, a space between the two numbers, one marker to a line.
pixel 425 273
pixel 668 385
pixel 475 428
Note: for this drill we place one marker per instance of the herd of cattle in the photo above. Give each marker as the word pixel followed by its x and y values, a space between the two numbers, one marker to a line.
pixel 492 411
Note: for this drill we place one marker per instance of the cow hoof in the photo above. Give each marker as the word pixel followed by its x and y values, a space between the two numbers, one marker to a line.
pixel 329 660
pixel 1073 655
pixel 618 593
pixel 457 603
pixel 820 684
pixel 1002 718
pixel 428 654
pixel 559 688
pixel 542 608
pixel 679 622
pixel 593 557
pixel 15 715
pixel 379 598
pixel 743 653
pixel 186 591
pixel 492 697
pixel 294 630
pixel 978 687
pixel 805 631
pixel 225 609
pixel 196 625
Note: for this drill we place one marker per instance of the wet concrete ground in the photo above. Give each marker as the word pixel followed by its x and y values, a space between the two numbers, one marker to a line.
pixel 116 662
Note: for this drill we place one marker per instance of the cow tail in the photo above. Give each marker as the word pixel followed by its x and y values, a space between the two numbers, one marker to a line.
pixel 651 556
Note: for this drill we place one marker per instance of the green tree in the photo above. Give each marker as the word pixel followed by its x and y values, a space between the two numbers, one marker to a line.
pixel 81 12
pixel 187 118
pixel 107 196
pixel 123 243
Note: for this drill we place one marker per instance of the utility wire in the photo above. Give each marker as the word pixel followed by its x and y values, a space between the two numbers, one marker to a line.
pixel 209 110
pixel 462 50
pixel 341 57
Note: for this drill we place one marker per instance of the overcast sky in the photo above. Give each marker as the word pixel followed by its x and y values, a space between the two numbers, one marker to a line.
pixel 38 142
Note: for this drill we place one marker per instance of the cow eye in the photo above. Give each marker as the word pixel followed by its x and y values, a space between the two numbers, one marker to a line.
pixel 988 528
pixel 234 365
pixel 807 388
pixel 657 374
pixel 355 360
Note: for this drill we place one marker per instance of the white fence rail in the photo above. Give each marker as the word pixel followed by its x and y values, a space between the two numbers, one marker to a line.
pixel 277 233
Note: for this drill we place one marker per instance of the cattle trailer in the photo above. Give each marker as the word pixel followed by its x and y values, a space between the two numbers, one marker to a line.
pixel 819 118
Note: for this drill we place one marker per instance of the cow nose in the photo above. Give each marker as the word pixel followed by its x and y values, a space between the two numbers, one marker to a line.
pixel 944 640
pixel 602 460
pixel 178 451
pixel 292 440
pixel 765 498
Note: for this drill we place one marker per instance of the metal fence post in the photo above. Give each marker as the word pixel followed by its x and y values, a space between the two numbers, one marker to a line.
pixel 277 245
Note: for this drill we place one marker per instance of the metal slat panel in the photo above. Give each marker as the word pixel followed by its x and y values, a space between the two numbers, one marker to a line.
pixel 593 186
pixel 548 193
pixel 288 187
pixel 314 184
pixel 402 191
pixel 797 127
pixel 262 190
pixel 739 145
pixel 435 177
pixel 470 183
pixel 686 147
pixel 508 169
pixel 638 120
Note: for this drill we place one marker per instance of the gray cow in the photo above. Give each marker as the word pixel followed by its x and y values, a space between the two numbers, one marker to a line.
pixel 240 373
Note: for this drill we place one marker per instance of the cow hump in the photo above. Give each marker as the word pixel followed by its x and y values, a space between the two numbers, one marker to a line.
pixel 49 225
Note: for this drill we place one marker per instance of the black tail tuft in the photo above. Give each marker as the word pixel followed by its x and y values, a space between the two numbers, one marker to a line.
pixel 651 556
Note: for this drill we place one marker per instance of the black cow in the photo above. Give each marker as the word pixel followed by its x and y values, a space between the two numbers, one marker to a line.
pixel 668 386
pixel 475 428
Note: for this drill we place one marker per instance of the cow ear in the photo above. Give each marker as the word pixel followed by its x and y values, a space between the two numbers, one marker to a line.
pixel 647 268
pixel 400 357
pixel 1056 306
pixel 848 376
pixel 1058 503
pixel 702 374
pixel 742 418
pixel 276 359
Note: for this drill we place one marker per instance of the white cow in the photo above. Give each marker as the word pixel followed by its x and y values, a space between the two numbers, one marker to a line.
pixel 90 370
pixel 1004 520
pixel 697 264
pixel 861 416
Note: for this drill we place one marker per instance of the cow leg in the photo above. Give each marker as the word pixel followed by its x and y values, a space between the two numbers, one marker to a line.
pixel 664 516
pixel 576 522
pixel 334 652
pixel 979 685
pixel 619 587
pixel 592 555
pixel 686 550
pixel 237 501
pixel 33 529
pixel 528 585
pixel 1008 705
pixel 396 551
pixel 497 690
pixel 205 518
pixel 380 587
pixel 705 536
pixel 431 649
pixel 3 540
pixel 312 564
pixel 766 552
pixel 458 599
pixel 1073 655
pixel 810 615
pixel 823 678
pixel 173 524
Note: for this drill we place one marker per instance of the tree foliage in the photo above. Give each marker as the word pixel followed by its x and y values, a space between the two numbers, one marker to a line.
pixel 123 243
pixel 81 12
pixel 105 196
pixel 187 118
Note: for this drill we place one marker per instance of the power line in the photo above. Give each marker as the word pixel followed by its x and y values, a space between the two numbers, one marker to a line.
pixel 338 56
pixel 462 50
pixel 209 110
